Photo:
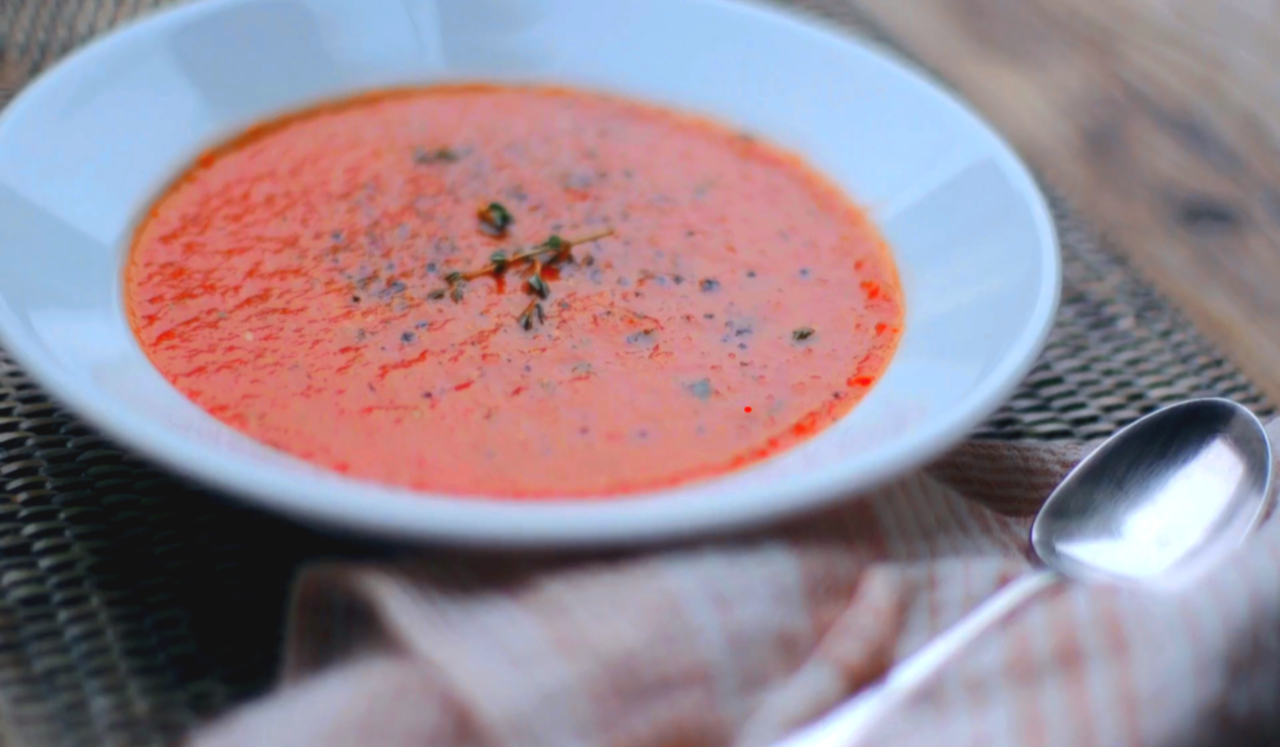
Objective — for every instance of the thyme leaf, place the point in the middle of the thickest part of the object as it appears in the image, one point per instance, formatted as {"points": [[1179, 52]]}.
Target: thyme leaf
{"points": [[539, 286], [495, 219]]}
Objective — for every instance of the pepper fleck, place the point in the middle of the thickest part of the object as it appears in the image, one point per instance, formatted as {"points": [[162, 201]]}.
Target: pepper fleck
{"points": [[422, 156], [700, 388]]}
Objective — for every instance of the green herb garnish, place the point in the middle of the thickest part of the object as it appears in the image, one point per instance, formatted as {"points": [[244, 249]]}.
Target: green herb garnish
{"points": [[556, 244], [555, 249], [799, 334], [539, 286], [532, 313], [495, 219]]}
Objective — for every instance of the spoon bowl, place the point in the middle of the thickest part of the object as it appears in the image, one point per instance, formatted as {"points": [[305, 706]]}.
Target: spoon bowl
{"points": [[1161, 498]]}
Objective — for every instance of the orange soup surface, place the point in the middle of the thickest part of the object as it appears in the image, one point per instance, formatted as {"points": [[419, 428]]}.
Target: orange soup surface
{"points": [[513, 292]]}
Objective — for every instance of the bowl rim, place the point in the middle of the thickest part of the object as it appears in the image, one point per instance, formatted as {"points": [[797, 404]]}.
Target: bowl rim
{"points": [[396, 513]]}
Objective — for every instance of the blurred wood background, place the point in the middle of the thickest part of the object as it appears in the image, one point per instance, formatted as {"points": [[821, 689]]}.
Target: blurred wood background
{"points": [[1160, 119]]}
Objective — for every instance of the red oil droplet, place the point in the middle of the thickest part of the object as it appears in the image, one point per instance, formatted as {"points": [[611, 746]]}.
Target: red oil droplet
{"points": [[746, 409]]}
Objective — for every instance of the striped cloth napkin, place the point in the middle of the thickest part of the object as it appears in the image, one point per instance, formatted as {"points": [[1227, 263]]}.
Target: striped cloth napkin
{"points": [[739, 641]]}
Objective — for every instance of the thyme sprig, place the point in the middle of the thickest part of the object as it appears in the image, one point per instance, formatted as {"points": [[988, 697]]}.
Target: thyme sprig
{"points": [[555, 250]]}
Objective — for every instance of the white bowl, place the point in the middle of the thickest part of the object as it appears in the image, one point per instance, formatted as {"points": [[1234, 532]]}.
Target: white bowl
{"points": [[85, 149]]}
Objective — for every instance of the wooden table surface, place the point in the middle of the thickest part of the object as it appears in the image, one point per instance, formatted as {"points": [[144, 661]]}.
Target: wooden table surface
{"points": [[1159, 119]]}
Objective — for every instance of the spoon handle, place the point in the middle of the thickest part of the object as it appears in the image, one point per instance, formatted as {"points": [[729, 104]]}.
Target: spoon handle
{"points": [[850, 721]]}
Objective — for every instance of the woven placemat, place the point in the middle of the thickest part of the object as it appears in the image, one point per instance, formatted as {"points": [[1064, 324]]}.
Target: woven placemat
{"points": [[133, 605]]}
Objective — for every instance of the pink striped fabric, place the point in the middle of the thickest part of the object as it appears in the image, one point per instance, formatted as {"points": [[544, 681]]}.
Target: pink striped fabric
{"points": [[739, 641]]}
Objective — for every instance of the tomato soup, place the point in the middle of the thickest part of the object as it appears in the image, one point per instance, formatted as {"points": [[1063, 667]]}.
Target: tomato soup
{"points": [[518, 292]]}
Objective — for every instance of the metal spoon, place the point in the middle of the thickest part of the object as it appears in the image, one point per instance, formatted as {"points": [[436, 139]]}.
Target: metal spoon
{"points": [[1156, 504]]}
